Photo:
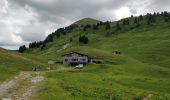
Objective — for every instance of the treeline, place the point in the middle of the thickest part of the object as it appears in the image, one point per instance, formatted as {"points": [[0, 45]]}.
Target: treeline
{"points": [[59, 32], [149, 18], [131, 22], [50, 37], [96, 26]]}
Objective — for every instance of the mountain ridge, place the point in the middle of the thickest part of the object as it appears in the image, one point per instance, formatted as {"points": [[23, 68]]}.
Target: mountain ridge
{"points": [[87, 20]]}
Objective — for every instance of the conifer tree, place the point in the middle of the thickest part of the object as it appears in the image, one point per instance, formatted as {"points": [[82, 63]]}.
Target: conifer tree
{"points": [[22, 49]]}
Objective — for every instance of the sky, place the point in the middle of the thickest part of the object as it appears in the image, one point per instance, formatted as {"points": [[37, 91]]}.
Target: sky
{"points": [[25, 21]]}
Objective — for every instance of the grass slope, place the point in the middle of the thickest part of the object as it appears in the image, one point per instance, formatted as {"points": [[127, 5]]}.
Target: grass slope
{"points": [[86, 21], [141, 71], [11, 63]]}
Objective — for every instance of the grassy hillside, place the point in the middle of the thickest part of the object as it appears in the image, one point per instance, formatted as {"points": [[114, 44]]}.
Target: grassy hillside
{"points": [[147, 43], [11, 63], [86, 21], [142, 70]]}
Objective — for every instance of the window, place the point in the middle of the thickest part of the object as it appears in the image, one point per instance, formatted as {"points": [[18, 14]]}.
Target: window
{"points": [[66, 59], [75, 59], [83, 59]]}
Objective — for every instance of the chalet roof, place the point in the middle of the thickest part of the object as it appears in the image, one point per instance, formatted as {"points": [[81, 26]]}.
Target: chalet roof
{"points": [[75, 53]]}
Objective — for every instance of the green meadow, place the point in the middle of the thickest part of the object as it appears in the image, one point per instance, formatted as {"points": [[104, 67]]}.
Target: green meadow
{"points": [[11, 63], [140, 72]]}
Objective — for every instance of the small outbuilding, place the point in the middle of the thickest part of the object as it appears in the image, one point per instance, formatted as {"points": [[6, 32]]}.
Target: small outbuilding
{"points": [[51, 62], [75, 58], [116, 52]]}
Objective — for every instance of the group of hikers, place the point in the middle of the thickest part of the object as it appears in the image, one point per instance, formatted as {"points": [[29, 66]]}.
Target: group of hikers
{"points": [[35, 68]]}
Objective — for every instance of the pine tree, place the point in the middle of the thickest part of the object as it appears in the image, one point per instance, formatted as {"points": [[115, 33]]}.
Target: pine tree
{"points": [[83, 39], [95, 27], [108, 25], [71, 40], [135, 20], [126, 22], [150, 18], [140, 17], [58, 35], [118, 26], [43, 46], [22, 49]]}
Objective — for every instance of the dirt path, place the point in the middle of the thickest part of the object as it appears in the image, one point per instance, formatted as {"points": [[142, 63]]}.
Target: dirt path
{"points": [[22, 87]]}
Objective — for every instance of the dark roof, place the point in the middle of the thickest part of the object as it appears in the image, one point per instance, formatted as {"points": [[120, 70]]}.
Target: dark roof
{"points": [[75, 53]]}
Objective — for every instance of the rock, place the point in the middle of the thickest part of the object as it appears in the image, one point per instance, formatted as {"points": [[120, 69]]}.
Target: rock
{"points": [[6, 99], [37, 79]]}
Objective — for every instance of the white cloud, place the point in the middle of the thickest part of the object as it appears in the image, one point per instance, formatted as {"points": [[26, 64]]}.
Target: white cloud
{"points": [[3, 6], [123, 12], [20, 26]]}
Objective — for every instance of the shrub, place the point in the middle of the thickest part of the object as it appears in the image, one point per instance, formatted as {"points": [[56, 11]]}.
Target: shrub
{"points": [[83, 39], [71, 40]]}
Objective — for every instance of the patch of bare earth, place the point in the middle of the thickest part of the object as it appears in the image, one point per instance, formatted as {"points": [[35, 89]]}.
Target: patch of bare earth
{"points": [[22, 87]]}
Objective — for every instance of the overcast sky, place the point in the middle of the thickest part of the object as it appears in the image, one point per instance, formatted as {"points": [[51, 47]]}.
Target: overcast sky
{"points": [[24, 21]]}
